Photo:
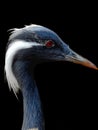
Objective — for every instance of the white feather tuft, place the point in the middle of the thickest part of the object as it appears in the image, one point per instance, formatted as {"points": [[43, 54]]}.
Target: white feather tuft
{"points": [[12, 50]]}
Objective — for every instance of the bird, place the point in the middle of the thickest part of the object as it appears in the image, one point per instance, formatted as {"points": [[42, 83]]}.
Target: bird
{"points": [[27, 47]]}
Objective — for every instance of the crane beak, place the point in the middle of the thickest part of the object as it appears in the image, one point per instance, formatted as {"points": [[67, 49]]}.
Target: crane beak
{"points": [[76, 58]]}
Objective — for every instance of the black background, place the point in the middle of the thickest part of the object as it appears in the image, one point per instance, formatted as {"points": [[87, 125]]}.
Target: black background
{"points": [[68, 91]]}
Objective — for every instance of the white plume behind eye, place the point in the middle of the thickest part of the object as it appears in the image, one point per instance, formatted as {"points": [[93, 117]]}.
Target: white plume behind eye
{"points": [[11, 51], [13, 48]]}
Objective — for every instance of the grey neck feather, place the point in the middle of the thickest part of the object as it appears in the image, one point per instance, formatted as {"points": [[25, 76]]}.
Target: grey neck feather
{"points": [[32, 113]]}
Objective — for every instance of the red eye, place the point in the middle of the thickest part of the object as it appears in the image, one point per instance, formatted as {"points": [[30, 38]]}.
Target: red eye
{"points": [[49, 44]]}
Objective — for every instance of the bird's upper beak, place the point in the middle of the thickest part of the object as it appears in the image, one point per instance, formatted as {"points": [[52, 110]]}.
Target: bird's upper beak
{"points": [[76, 58]]}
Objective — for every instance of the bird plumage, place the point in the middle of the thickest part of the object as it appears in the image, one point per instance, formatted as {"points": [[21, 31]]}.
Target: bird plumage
{"points": [[27, 47], [21, 39]]}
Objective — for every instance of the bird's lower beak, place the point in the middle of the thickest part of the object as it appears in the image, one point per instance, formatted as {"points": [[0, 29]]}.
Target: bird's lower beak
{"points": [[76, 58]]}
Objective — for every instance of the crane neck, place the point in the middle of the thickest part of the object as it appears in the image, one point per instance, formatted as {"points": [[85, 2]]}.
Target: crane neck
{"points": [[32, 110]]}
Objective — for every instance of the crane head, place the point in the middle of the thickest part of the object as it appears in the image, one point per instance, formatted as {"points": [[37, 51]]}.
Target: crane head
{"points": [[43, 44], [34, 44]]}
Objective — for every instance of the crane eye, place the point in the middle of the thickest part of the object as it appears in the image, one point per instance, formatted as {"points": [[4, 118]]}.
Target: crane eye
{"points": [[49, 44]]}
